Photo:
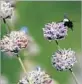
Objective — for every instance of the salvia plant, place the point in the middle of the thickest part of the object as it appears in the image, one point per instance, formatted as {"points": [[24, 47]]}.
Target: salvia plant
{"points": [[14, 41]]}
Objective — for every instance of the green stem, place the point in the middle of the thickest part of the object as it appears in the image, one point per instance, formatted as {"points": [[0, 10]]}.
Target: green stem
{"points": [[23, 67], [9, 27], [74, 76], [21, 63], [57, 44]]}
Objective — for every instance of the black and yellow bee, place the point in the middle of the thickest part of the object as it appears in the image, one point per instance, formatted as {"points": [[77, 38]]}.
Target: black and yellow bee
{"points": [[68, 22]]}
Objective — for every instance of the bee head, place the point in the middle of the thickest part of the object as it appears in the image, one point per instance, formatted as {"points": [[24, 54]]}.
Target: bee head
{"points": [[69, 24]]}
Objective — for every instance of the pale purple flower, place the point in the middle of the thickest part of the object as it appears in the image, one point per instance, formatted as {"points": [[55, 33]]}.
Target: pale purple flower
{"points": [[36, 76], [20, 38], [63, 59], [14, 42], [6, 9], [55, 31]]}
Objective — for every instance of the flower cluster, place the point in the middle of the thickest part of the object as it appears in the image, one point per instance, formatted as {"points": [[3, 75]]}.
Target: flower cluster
{"points": [[14, 42], [36, 76], [63, 59], [55, 31], [6, 9]]}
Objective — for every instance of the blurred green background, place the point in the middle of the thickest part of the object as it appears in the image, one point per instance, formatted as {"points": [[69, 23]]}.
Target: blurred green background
{"points": [[34, 15]]}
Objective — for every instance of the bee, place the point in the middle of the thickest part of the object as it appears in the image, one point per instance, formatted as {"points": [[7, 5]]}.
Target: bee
{"points": [[68, 22]]}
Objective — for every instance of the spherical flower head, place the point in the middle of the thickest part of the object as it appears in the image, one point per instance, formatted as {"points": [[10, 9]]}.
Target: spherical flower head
{"points": [[14, 42], [20, 38], [7, 45], [55, 31], [63, 59], [37, 76], [6, 9]]}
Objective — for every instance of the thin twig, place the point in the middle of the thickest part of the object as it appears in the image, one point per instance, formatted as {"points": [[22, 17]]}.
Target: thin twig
{"points": [[74, 76]]}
